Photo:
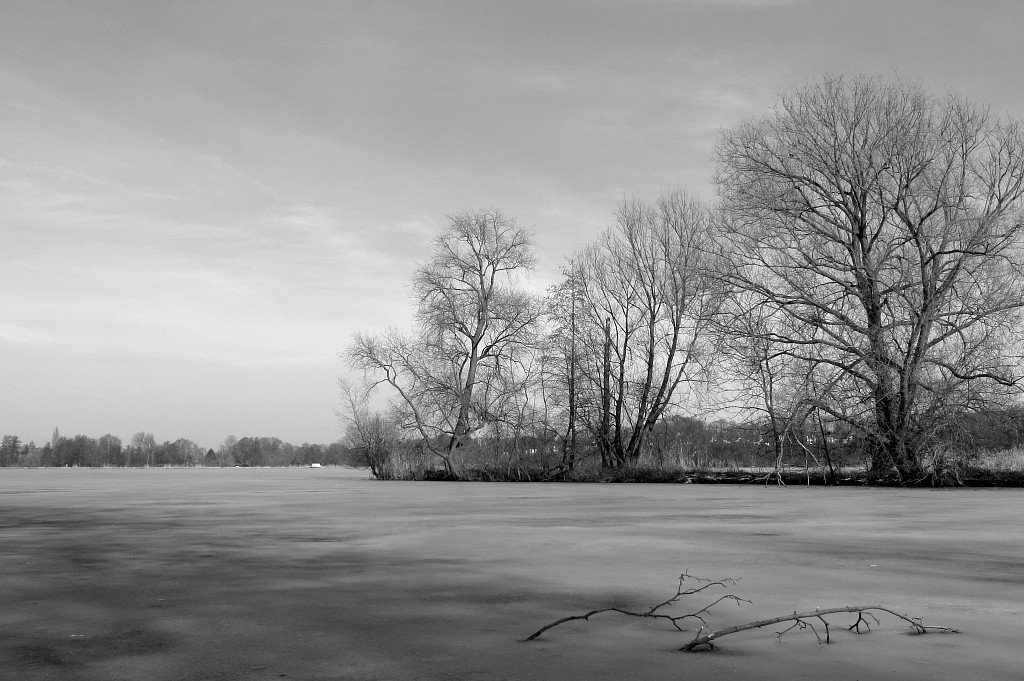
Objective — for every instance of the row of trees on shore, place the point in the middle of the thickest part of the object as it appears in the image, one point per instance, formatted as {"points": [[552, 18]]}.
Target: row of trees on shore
{"points": [[143, 450], [858, 282]]}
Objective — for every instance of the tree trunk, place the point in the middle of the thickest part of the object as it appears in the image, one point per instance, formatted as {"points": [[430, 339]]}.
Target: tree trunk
{"points": [[605, 439]]}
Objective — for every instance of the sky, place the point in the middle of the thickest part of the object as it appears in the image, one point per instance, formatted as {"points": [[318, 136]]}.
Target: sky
{"points": [[202, 202]]}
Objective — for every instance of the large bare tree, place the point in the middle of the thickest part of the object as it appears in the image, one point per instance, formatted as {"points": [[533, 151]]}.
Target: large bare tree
{"points": [[883, 225], [645, 299], [473, 326]]}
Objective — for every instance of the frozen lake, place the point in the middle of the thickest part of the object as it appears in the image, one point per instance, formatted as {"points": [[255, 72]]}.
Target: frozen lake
{"points": [[323, 574]]}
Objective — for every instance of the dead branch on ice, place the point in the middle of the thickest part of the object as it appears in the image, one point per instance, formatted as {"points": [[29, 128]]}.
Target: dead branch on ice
{"points": [[706, 637], [805, 620], [652, 612]]}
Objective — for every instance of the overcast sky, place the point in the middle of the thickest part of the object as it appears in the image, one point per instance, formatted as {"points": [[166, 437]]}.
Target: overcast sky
{"points": [[201, 202]]}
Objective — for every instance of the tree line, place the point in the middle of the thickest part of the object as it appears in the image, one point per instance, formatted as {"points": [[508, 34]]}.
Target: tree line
{"points": [[855, 293], [142, 450]]}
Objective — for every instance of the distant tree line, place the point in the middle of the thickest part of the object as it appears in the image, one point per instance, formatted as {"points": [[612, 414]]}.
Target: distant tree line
{"points": [[142, 450], [855, 296]]}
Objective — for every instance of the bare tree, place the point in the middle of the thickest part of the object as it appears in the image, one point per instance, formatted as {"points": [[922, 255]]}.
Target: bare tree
{"points": [[226, 452], [144, 445], [647, 299], [759, 365], [561, 352], [883, 224], [472, 327], [371, 434], [780, 393]]}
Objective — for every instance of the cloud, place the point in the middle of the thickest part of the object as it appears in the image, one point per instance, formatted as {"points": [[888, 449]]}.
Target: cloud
{"points": [[239, 187], [24, 335]]}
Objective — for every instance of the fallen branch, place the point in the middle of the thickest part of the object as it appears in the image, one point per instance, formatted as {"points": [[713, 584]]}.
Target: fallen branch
{"points": [[706, 637], [652, 612], [802, 620]]}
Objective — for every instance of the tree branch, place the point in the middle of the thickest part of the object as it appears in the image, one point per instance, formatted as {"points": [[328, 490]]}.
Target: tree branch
{"points": [[800, 620], [652, 612], [706, 637]]}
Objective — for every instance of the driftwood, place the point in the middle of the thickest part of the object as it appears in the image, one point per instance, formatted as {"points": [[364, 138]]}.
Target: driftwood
{"points": [[706, 637]]}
